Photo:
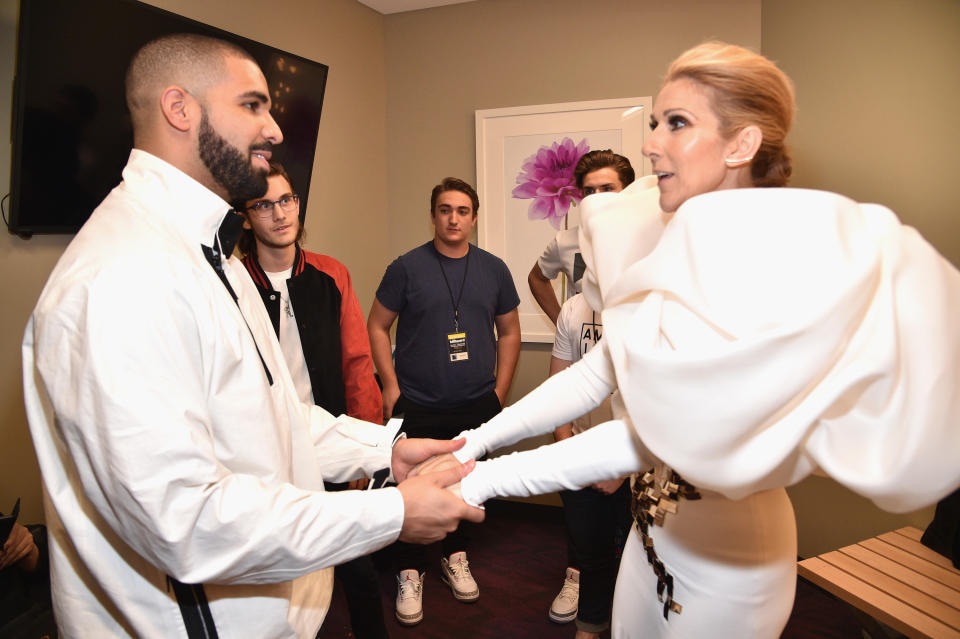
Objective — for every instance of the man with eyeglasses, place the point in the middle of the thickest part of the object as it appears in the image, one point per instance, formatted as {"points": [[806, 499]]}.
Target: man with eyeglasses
{"points": [[311, 303], [323, 335], [601, 171]]}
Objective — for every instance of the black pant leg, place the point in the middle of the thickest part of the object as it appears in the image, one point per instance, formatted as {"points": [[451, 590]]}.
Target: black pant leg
{"points": [[470, 416], [362, 589], [594, 521], [418, 421], [440, 423]]}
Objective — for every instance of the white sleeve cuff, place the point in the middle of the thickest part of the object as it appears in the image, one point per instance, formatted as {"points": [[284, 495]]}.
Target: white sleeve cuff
{"points": [[606, 451]]}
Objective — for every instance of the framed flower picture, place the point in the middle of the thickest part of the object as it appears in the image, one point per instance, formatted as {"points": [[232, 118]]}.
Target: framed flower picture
{"points": [[525, 161]]}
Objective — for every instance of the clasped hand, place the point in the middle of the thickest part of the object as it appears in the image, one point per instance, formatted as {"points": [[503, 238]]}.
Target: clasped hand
{"points": [[441, 462], [428, 476]]}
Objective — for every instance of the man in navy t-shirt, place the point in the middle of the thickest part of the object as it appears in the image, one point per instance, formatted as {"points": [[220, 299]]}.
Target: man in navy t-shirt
{"points": [[451, 370]]}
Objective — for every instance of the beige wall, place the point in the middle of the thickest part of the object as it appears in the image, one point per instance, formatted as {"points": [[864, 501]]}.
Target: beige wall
{"points": [[403, 88], [25, 265], [347, 202], [877, 81], [445, 63]]}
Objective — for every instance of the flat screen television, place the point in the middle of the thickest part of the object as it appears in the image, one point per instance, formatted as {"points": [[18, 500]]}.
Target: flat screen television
{"points": [[71, 128]]}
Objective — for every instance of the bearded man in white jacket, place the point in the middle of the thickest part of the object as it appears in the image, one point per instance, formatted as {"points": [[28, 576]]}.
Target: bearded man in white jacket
{"points": [[183, 477]]}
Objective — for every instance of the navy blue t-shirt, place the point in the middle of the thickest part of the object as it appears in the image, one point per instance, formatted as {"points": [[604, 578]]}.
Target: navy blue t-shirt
{"points": [[413, 286]]}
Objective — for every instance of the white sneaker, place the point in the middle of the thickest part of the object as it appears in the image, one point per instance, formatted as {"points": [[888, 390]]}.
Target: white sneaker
{"points": [[455, 572], [564, 606], [409, 597]]}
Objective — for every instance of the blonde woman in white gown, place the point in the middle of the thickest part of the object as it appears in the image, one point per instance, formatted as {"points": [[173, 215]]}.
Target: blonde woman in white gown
{"points": [[754, 335]]}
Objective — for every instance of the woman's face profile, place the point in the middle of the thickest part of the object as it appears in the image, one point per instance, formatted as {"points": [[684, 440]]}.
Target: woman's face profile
{"points": [[685, 144]]}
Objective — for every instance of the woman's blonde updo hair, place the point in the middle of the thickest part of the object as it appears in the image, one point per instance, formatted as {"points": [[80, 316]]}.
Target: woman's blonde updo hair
{"points": [[747, 88]]}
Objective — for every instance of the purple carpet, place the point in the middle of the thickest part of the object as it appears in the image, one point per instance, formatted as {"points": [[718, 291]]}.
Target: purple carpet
{"points": [[518, 557]]}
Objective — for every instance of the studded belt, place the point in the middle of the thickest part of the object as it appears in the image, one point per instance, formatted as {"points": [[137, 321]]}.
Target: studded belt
{"points": [[655, 494]]}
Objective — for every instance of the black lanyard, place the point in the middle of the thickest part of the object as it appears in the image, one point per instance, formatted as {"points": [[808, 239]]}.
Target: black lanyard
{"points": [[463, 285]]}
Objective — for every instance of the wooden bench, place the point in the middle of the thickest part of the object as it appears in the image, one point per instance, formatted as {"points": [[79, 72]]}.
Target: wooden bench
{"points": [[895, 579]]}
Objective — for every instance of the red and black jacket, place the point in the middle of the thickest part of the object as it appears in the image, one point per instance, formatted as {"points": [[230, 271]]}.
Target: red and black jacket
{"points": [[332, 329]]}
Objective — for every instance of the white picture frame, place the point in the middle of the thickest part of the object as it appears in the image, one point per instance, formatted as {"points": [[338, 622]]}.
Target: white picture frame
{"points": [[508, 136]]}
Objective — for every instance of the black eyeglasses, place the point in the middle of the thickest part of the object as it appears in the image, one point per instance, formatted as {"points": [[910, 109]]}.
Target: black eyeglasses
{"points": [[264, 208]]}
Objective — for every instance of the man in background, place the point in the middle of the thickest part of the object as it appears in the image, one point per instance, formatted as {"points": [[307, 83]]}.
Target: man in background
{"points": [[452, 372], [601, 171], [323, 335], [596, 172]]}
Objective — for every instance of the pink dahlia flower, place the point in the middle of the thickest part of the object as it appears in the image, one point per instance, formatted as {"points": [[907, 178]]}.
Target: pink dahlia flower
{"points": [[547, 178]]}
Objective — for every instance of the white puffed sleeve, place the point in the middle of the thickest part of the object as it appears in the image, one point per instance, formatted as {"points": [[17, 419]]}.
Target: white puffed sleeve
{"points": [[771, 332]]}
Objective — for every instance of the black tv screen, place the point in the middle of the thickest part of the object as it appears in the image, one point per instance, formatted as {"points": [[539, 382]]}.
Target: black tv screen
{"points": [[71, 128]]}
